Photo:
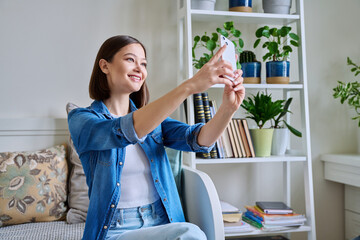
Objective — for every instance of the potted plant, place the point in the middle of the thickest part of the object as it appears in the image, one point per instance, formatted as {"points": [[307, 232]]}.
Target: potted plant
{"points": [[211, 43], [350, 91], [251, 67], [277, 6], [278, 69], [281, 132], [240, 5], [203, 4], [261, 109]]}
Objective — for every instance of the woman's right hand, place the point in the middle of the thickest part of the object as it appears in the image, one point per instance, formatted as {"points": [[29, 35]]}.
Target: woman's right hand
{"points": [[212, 73]]}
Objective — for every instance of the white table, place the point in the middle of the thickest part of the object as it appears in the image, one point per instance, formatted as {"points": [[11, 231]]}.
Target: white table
{"points": [[345, 169]]}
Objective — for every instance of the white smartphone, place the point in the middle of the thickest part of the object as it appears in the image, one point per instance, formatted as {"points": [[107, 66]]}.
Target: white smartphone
{"points": [[229, 54]]}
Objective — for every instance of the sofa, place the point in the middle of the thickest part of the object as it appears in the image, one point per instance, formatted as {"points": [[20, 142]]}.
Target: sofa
{"points": [[43, 193]]}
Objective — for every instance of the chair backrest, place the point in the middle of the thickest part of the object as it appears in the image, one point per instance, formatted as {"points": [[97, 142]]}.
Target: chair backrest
{"points": [[175, 159]]}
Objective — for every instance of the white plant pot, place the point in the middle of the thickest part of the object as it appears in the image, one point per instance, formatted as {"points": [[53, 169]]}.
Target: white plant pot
{"points": [[279, 141], [203, 4]]}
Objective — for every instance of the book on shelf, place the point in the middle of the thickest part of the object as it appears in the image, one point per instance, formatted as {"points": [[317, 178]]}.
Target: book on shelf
{"points": [[272, 217], [273, 222], [237, 227], [243, 138], [200, 117], [252, 222], [236, 140], [232, 140], [220, 147], [274, 207], [208, 117], [225, 137], [248, 136], [240, 139], [230, 213], [237, 131]]}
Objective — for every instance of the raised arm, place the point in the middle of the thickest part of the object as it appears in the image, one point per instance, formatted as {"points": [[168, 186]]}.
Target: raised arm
{"points": [[232, 99], [149, 117]]}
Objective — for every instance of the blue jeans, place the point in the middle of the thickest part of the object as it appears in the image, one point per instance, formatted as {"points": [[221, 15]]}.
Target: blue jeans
{"points": [[150, 222]]}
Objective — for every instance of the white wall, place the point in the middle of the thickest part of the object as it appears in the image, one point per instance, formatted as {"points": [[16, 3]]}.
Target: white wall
{"points": [[47, 50], [331, 37]]}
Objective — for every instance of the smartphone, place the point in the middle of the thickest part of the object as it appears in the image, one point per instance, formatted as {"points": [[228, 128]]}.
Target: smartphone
{"points": [[229, 54]]}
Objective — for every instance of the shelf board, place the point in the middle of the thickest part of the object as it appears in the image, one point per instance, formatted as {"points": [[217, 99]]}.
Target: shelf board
{"points": [[285, 158], [259, 232], [256, 18], [267, 86]]}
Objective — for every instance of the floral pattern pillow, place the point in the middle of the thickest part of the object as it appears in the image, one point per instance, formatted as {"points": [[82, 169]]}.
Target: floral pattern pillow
{"points": [[33, 186]]}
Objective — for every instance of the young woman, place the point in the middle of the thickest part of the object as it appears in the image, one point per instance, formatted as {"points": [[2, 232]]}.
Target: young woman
{"points": [[120, 140]]}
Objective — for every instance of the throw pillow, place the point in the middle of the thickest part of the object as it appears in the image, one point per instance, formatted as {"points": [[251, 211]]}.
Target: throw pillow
{"points": [[78, 198], [33, 186]]}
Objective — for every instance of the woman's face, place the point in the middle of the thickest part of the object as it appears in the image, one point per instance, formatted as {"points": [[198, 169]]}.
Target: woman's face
{"points": [[127, 72]]}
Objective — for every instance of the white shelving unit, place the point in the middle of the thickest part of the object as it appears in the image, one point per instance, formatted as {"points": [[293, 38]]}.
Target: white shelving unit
{"points": [[186, 18]]}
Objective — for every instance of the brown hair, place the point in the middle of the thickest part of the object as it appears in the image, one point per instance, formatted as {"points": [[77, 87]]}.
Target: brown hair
{"points": [[98, 86]]}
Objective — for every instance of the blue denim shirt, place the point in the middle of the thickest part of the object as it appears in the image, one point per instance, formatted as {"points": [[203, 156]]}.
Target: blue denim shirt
{"points": [[100, 141]]}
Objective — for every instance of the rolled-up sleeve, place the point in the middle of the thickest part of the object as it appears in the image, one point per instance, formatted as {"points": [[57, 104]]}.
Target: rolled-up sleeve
{"points": [[128, 130], [192, 139], [183, 137]]}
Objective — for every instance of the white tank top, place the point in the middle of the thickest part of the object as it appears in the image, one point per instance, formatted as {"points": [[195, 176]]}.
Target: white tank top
{"points": [[137, 186]]}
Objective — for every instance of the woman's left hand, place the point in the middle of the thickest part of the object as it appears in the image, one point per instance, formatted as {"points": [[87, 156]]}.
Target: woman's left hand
{"points": [[234, 95]]}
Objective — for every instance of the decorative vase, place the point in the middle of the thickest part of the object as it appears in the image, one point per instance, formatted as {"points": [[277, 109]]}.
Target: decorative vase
{"points": [[203, 4], [240, 5], [262, 139], [278, 72], [279, 141], [251, 72], [277, 6]]}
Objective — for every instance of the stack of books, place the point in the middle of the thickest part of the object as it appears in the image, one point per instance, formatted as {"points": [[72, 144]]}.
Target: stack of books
{"points": [[232, 219], [273, 216], [235, 142]]}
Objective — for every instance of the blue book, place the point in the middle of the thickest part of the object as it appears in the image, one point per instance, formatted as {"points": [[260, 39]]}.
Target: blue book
{"points": [[252, 217]]}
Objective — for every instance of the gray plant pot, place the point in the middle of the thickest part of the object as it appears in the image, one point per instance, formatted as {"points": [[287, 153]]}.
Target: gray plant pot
{"points": [[203, 4], [277, 6]]}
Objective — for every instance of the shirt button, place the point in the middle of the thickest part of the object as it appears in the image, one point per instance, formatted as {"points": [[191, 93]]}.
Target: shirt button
{"points": [[170, 219], [118, 184], [105, 227], [152, 160], [120, 163], [164, 199], [112, 205], [157, 180]]}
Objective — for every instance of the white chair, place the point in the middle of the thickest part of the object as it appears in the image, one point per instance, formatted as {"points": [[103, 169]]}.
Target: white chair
{"points": [[201, 203]]}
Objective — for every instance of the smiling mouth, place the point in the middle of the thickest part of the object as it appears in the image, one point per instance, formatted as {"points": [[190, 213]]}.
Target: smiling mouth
{"points": [[135, 78]]}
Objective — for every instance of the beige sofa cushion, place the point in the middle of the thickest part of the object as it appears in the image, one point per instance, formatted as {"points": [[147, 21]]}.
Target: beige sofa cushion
{"points": [[78, 190]]}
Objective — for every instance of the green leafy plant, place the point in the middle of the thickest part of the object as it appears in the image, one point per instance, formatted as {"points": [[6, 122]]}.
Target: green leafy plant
{"points": [[261, 108], [211, 42], [350, 91], [276, 42], [279, 118]]}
